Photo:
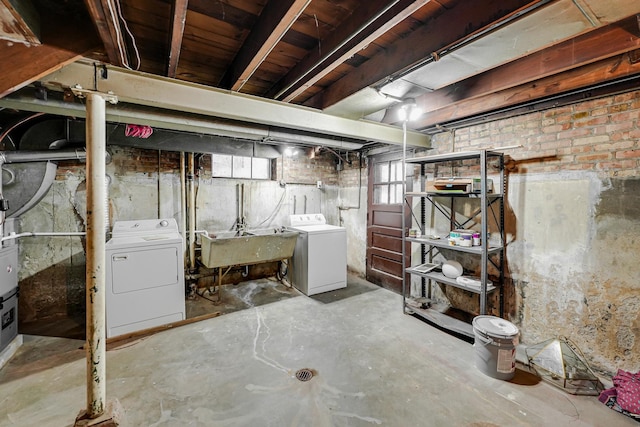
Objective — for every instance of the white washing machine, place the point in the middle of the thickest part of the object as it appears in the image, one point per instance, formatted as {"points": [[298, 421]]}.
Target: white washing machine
{"points": [[144, 276], [319, 261]]}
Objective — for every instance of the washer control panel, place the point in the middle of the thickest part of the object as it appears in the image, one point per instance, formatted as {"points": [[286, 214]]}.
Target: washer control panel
{"points": [[307, 219]]}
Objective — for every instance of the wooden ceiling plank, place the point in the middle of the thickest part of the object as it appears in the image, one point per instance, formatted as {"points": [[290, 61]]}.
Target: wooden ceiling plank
{"points": [[437, 33], [24, 24], [30, 63], [276, 18], [368, 23], [604, 42], [239, 14], [606, 70], [178, 19], [102, 17], [371, 21]]}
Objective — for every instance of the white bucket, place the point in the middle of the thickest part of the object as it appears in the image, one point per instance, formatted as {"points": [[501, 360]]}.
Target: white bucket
{"points": [[495, 346]]}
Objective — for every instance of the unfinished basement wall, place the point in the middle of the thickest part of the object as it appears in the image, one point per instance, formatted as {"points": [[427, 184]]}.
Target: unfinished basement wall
{"points": [[572, 223], [352, 210], [145, 184]]}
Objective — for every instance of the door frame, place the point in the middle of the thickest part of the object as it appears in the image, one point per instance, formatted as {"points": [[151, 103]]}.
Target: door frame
{"points": [[384, 266]]}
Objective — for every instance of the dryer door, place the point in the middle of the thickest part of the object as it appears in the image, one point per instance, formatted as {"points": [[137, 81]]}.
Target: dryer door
{"points": [[143, 268]]}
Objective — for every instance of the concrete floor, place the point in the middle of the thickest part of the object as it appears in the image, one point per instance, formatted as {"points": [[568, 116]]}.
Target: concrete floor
{"points": [[373, 364]]}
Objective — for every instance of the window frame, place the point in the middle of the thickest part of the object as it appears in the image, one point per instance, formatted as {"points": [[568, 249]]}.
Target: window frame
{"points": [[232, 167]]}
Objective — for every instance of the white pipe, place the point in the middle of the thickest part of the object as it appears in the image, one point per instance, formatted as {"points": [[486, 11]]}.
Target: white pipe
{"points": [[13, 236], [39, 156], [192, 213], [95, 270], [183, 205]]}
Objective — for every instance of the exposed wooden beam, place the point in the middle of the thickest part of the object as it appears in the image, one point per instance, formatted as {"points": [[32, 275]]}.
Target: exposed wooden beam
{"points": [[24, 64], [455, 24], [276, 18], [178, 19], [103, 16], [598, 44], [367, 23], [19, 21], [589, 75], [601, 43]]}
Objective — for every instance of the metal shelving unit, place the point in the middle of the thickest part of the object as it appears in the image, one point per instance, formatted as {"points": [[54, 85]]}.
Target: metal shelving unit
{"points": [[490, 251]]}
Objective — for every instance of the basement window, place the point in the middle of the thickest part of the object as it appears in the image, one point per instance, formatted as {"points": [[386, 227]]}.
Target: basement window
{"points": [[387, 185], [228, 166]]}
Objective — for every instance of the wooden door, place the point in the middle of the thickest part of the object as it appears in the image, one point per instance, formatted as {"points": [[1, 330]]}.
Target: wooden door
{"points": [[384, 222]]}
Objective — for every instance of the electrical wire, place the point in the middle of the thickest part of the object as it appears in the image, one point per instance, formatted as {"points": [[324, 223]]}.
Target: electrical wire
{"points": [[276, 209], [116, 26], [119, 36], [133, 39], [4, 134]]}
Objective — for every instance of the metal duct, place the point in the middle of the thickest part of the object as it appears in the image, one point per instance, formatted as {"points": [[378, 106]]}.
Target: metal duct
{"points": [[161, 139], [41, 190]]}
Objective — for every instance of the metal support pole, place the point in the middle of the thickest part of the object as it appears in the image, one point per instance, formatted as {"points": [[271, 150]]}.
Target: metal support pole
{"points": [[192, 212], [95, 272], [484, 234], [183, 206], [404, 201]]}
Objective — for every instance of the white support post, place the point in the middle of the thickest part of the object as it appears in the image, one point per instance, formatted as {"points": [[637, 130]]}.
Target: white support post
{"points": [[95, 272]]}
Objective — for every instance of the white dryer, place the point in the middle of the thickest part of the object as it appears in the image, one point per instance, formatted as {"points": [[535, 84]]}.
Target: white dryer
{"points": [[319, 261], [144, 276]]}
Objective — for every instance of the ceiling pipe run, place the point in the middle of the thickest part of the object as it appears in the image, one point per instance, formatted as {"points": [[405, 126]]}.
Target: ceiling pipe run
{"points": [[39, 156]]}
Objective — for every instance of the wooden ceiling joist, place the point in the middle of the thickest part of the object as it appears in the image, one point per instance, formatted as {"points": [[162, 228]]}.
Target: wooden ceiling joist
{"points": [[105, 19], [178, 19], [26, 64], [602, 43], [366, 24], [607, 70], [274, 21], [20, 21], [442, 31]]}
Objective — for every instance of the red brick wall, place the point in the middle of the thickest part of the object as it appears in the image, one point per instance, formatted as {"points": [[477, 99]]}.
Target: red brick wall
{"points": [[349, 176], [593, 147], [302, 168], [126, 159], [594, 135], [306, 168]]}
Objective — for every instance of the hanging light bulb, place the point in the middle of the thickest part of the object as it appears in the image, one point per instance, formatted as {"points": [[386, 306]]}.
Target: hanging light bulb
{"points": [[409, 110]]}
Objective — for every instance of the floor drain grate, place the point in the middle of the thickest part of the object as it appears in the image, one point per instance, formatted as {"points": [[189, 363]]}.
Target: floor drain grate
{"points": [[304, 374]]}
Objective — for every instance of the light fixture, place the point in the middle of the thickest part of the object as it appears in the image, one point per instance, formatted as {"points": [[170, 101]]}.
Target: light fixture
{"points": [[409, 110], [289, 152]]}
